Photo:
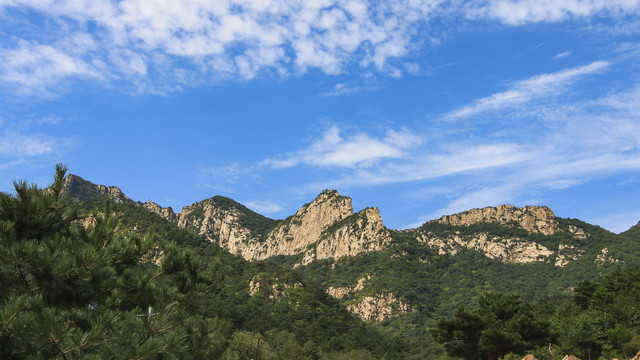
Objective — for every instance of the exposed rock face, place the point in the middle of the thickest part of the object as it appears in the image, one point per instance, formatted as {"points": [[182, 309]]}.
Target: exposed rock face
{"points": [[512, 250], [275, 288], [566, 254], [291, 237], [341, 292], [379, 307], [81, 189], [531, 218], [605, 257], [306, 226], [166, 213], [364, 232], [577, 232], [219, 224]]}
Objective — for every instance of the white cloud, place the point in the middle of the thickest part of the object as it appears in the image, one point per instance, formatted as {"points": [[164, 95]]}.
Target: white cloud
{"points": [[212, 40], [563, 54], [344, 89], [335, 150], [36, 68], [264, 207], [20, 145], [524, 91], [241, 37], [518, 12]]}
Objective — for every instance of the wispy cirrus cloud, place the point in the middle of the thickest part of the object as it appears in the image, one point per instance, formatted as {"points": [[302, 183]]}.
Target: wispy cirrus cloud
{"points": [[521, 92], [563, 55]]}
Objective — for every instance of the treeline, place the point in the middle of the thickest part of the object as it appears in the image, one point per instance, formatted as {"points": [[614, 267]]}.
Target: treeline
{"points": [[600, 321]]}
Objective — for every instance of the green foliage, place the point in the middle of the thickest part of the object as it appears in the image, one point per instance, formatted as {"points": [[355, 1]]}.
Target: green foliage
{"points": [[87, 286], [69, 291], [501, 324]]}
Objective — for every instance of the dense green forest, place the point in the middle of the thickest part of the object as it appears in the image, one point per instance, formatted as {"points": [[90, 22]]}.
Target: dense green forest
{"points": [[91, 279]]}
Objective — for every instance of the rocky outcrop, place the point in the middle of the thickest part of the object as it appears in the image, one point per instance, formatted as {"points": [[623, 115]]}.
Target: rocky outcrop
{"points": [[531, 218], [566, 254], [342, 292], [604, 257], [166, 213], [577, 232], [221, 225], [511, 250], [379, 307], [274, 288], [307, 225], [82, 190], [324, 228], [362, 232]]}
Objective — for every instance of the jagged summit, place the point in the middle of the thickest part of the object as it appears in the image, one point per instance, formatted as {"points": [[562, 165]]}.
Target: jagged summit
{"points": [[83, 190], [328, 228]]}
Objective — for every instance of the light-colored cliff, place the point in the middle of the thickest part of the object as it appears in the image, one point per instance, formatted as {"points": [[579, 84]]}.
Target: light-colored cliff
{"points": [[221, 225], [341, 292], [306, 226], [531, 218], [511, 250], [379, 307], [363, 232], [166, 213], [319, 223]]}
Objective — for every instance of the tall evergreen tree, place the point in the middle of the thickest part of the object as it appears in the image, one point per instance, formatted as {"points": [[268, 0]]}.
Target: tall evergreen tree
{"points": [[76, 288], [501, 324]]}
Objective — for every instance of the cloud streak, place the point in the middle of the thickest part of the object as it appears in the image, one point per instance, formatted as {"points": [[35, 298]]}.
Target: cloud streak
{"points": [[521, 92], [359, 150]]}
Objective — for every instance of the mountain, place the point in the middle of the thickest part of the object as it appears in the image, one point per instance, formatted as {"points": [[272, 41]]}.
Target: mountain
{"points": [[379, 273], [329, 281]]}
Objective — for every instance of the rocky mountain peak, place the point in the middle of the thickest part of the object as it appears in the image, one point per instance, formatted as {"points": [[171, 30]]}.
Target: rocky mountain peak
{"points": [[83, 190], [166, 213], [360, 232], [328, 200], [531, 218]]}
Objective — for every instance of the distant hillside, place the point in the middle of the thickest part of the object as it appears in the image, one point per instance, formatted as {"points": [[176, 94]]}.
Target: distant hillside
{"points": [[380, 273], [327, 265]]}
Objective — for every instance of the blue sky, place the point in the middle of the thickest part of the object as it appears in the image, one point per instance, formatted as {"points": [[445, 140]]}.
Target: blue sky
{"points": [[419, 107]]}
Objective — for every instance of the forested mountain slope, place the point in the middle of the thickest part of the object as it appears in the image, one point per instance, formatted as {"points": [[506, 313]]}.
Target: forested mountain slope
{"points": [[404, 280]]}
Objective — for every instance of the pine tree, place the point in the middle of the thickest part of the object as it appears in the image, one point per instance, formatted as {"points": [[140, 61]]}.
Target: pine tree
{"points": [[501, 324], [78, 289]]}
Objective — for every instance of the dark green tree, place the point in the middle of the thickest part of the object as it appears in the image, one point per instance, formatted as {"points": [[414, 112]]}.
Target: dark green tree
{"points": [[77, 288], [501, 324]]}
